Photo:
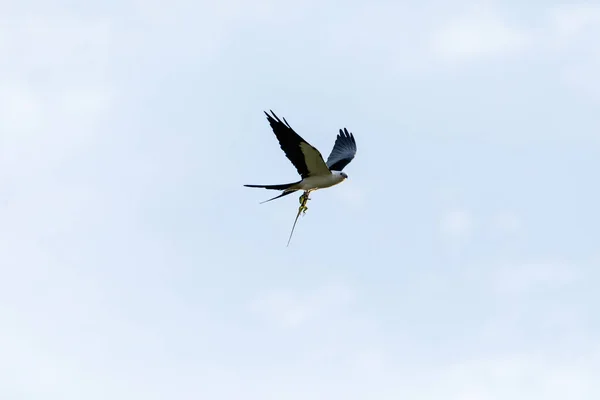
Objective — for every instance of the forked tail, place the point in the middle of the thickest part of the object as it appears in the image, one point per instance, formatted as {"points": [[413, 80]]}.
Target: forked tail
{"points": [[285, 187]]}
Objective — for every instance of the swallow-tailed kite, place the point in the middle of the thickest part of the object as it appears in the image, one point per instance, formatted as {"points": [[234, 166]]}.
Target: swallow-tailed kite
{"points": [[314, 171]]}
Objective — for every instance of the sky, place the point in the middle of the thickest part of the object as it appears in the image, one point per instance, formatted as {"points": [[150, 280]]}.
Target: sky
{"points": [[460, 260]]}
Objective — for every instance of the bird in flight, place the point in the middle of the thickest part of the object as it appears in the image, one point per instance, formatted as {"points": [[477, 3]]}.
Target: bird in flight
{"points": [[315, 172]]}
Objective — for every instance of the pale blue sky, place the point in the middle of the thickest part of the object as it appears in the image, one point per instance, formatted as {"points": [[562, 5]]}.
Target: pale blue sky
{"points": [[460, 261]]}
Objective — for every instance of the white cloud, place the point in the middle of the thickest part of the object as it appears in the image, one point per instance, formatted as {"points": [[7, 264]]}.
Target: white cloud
{"points": [[506, 222], [571, 20], [526, 277], [54, 89], [54, 46], [20, 110], [565, 36], [291, 309], [478, 34], [456, 224], [518, 376], [573, 34]]}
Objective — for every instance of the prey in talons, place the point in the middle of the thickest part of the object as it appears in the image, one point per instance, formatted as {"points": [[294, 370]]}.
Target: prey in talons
{"points": [[301, 210]]}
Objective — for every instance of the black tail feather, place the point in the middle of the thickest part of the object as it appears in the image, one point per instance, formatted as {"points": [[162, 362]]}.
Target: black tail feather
{"points": [[281, 195], [273, 187]]}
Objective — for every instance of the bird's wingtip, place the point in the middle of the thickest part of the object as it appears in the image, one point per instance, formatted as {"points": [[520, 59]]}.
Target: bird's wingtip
{"points": [[272, 116]]}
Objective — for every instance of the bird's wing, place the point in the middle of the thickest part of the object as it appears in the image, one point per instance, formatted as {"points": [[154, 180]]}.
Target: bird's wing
{"points": [[343, 151], [307, 160]]}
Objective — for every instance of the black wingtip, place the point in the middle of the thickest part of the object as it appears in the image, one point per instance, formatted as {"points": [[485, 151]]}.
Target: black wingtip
{"points": [[275, 118]]}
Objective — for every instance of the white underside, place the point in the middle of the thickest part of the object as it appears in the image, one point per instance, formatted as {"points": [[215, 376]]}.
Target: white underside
{"points": [[319, 182]]}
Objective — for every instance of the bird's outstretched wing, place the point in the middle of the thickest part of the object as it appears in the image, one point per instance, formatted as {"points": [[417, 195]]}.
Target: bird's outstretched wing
{"points": [[307, 160], [343, 151]]}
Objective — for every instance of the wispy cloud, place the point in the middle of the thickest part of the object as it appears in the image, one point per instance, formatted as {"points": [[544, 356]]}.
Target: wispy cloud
{"points": [[291, 308], [478, 34], [523, 278], [506, 222], [571, 20], [53, 94], [518, 376], [456, 225], [574, 31]]}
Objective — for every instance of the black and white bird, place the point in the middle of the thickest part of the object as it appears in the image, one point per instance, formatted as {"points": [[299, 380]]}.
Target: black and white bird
{"points": [[314, 171]]}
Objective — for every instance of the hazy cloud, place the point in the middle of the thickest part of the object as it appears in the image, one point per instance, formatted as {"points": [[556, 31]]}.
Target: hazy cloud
{"points": [[478, 34]]}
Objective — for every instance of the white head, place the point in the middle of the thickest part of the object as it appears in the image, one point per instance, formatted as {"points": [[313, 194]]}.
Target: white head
{"points": [[342, 174]]}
